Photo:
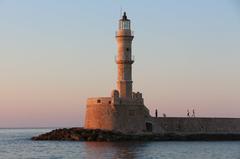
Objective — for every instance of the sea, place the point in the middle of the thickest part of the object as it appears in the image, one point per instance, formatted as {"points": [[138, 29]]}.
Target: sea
{"points": [[17, 144]]}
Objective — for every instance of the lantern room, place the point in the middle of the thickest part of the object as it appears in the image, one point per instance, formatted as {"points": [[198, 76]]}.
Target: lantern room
{"points": [[124, 23]]}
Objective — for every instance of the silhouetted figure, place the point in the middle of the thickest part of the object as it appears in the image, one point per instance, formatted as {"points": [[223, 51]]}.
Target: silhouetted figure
{"points": [[156, 113], [188, 113], [164, 115], [193, 113]]}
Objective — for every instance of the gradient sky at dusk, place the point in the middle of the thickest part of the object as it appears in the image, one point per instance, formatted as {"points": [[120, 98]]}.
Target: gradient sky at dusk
{"points": [[54, 54]]}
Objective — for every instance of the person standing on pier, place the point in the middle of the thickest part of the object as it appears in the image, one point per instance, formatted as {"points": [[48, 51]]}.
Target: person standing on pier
{"points": [[156, 113], [193, 113], [188, 113]]}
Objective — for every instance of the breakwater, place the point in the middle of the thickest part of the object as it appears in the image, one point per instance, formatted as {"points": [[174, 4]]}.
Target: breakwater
{"points": [[81, 134]]}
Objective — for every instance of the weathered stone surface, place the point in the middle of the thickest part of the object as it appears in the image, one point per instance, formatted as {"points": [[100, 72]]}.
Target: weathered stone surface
{"points": [[81, 134]]}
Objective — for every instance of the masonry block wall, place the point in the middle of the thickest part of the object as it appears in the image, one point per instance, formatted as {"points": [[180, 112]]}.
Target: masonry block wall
{"points": [[100, 113], [196, 125]]}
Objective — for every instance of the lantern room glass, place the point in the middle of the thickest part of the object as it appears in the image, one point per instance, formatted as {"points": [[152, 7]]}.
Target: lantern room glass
{"points": [[124, 25]]}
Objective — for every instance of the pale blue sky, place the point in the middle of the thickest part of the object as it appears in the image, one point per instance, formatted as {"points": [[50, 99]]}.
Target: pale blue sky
{"points": [[54, 54]]}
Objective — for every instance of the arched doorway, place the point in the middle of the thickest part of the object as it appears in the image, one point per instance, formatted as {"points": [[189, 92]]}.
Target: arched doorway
{"points": [[149, 127]]}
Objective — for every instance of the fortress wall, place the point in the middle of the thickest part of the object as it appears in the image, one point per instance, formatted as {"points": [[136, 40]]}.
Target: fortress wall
{"points": [[103, 113], [99, 100], [131, 118], [99, 114], [197, 125]]}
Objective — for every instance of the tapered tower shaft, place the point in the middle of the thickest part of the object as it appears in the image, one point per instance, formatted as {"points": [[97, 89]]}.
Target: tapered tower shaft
{"points": [[124, 58]]}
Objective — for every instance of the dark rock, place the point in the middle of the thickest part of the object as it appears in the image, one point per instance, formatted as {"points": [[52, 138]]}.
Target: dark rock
{"points": [[81, 134]]}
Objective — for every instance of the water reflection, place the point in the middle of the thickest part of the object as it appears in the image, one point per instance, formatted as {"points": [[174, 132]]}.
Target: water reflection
{"points": [[16, 144], [114, 150]]}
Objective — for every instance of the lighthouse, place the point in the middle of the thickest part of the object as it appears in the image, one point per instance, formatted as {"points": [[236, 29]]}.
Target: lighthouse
{"points": [[124, 58], [124, 110]]}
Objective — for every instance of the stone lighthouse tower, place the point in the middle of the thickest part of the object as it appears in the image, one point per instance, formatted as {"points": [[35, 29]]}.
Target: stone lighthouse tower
{"points": [[124, 110], [124, 58]]}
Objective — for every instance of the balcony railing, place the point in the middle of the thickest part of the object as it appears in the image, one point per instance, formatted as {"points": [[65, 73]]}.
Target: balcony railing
{"points": [[124, 59]]}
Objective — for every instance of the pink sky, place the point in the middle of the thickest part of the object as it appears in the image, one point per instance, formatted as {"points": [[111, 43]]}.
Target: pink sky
{"points": [[53, 56]]}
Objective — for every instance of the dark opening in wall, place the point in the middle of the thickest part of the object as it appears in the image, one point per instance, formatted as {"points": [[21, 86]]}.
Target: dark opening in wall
{"points": [[98, 101], [131, 112], [149, 127], [109, 102]]}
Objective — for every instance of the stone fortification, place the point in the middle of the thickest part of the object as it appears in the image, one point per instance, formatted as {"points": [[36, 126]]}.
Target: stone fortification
{"points": [[197, 125], [125, 111], [114, 113], [100, 113]]}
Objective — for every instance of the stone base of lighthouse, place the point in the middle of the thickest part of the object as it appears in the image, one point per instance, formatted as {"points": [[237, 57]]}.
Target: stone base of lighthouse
{"points": [[132, 117], [116, 114]]}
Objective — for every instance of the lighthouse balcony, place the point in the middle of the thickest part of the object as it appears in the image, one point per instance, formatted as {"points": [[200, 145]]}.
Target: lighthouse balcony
{"points": [[125, 60]]}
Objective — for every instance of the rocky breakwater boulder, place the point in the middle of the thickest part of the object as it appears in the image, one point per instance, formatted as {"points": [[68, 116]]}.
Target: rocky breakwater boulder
{"points": [[81, 134]]}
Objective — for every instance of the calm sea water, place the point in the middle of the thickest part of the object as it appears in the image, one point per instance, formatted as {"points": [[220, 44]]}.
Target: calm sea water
{"points": [[16, 144]]}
